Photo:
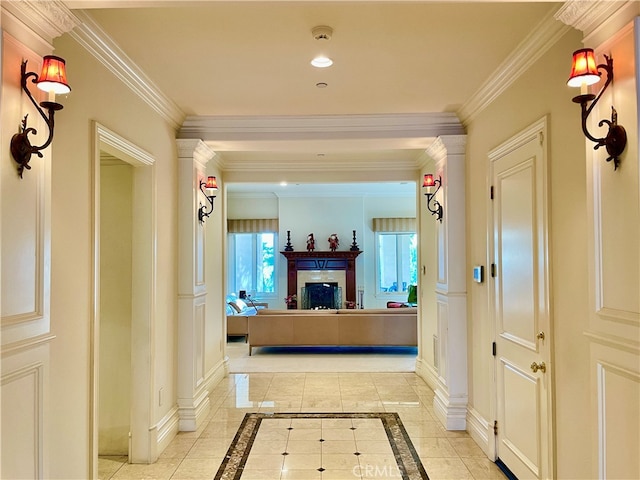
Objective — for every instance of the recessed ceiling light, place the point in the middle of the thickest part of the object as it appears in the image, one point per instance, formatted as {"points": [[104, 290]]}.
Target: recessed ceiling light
{"points": [[321, 62], [321, 85]]}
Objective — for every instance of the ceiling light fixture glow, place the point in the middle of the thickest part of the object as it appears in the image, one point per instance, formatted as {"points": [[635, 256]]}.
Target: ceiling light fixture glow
{"points": [[321, 62]]}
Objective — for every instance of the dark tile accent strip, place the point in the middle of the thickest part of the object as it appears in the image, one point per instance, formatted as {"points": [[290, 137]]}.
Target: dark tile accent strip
{"points": [[409, 464]]}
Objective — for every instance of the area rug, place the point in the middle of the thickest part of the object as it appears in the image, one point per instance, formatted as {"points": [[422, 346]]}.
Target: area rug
{"points": [[409, 466], [320, 359]]}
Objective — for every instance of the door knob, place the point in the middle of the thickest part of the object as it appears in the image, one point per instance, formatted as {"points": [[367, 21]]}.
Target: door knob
{"points": [[538, 366], [540, 335]]}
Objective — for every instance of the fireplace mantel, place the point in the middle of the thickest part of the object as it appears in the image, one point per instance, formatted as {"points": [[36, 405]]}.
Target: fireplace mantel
{"points": [[314, 260]]}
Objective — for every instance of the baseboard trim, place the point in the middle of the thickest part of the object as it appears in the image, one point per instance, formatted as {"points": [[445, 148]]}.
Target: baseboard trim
{"points": [[452, 414], [481, 431], [166, 429], [428, 373]]}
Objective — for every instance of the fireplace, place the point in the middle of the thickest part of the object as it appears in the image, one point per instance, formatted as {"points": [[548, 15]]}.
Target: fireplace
{"points": [[321, 296], [327, 264]]}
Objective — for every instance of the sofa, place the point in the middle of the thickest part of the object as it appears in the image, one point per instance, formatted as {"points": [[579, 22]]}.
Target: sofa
{"points": [[343, 327], [238, 313]]}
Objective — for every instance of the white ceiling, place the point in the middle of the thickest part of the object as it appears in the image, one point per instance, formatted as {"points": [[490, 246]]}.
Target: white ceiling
{"points": [[246, 64]]}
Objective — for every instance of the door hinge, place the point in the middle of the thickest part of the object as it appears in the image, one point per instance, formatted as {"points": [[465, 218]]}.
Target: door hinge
{"points": [[493, 348], [493, 270], [495, 427], [491, 192]]}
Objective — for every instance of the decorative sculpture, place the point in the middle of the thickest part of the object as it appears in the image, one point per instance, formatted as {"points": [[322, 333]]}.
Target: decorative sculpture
{"points": [[288, 247], [333, 242], [311, 243], [354, 245]]}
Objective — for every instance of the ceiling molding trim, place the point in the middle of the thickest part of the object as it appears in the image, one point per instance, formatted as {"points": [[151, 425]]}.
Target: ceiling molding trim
{"points": [[221, 128], [99, 44], [587, 15], [47, 19], [320, 169], [197, 150], [529, 51]]}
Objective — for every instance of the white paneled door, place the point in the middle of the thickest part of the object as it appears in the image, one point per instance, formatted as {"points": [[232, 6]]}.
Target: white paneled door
{"points": [[521, 305]]}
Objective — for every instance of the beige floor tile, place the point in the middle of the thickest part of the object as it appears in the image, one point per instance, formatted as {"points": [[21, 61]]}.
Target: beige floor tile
{"points": [[209, 448], [339, 461], [302, 461], [199, 469], [364, 433], [306, 423], [315, 404], [163, 469], [178, 447], [434, 447], [447, 469], [466, 447], [373, 446], [483, 469], [305, 446], [108, 465], [348, 474], [339, 446], [199, 454], [264, 462], [311, 474], [338, 434], [273, 474]]}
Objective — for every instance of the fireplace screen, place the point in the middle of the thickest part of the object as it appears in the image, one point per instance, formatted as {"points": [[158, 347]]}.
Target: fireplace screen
{"points": [[321, 296]]}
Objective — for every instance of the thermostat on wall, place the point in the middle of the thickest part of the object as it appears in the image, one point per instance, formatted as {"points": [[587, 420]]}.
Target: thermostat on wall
{"points": [[478, 273]]}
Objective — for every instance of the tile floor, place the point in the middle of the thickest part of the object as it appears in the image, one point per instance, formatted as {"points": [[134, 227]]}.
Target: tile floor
{"points": [[198, 455]]}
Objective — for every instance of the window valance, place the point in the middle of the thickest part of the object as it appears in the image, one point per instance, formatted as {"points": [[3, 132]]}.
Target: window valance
{"points": [[394, 225], [252, 225]]}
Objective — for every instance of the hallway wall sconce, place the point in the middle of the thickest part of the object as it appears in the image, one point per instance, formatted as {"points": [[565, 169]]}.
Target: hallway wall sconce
{"points": [[52, 79], [584, 72], [432, 204], [210, 185]]}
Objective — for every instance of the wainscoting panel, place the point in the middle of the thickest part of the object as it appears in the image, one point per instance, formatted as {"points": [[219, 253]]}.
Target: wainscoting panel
{"points": [[25, 215], [617, 376], [22, 423]]}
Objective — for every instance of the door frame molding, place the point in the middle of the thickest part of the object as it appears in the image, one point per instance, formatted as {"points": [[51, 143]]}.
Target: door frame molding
{"points": [[144, 233], [538, 129]]}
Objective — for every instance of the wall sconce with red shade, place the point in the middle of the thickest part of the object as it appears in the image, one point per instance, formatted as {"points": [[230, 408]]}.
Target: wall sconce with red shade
{"points": [[584, 72], [210, 185], [428, 183], [52, 79]]}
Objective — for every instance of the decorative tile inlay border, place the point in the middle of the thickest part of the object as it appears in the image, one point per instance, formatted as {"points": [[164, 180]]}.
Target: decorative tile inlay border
{"points": [[409, 464]]}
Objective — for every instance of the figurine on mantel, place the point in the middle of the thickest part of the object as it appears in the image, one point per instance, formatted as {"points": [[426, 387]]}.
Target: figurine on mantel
{"points": [[333, 242], [311, 243]]}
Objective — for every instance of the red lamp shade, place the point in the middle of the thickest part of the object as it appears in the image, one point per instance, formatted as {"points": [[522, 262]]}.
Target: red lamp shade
{"points": [[211, 183], [54, 75], [583, 69], [428, 180]]}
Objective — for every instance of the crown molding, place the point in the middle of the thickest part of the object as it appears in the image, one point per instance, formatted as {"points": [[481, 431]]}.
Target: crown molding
{"points": [[529, 51], [48, 19], [326, 127], [99, 44], [587, 15]]}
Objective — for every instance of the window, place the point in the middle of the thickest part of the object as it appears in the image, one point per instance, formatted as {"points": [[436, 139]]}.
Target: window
{"points": [[397, 261], [252, 263]]}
